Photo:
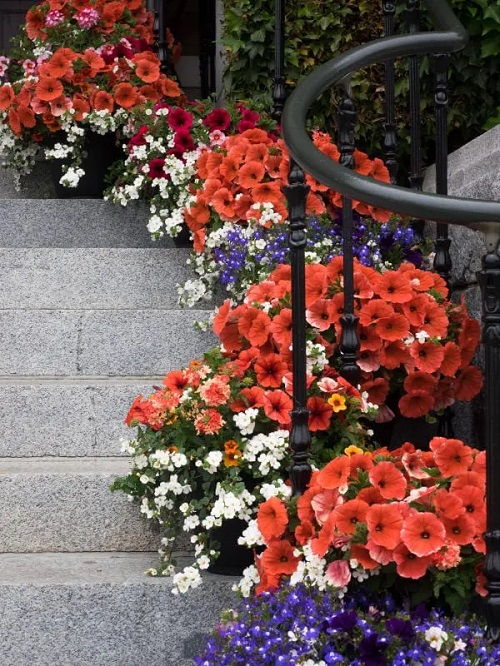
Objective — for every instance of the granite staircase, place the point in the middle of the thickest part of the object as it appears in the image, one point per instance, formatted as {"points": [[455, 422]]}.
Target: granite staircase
{"points": [[88, 319]]}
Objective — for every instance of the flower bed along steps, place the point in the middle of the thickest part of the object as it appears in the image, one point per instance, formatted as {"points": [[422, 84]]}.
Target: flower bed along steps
{"points": [[88, 319]]}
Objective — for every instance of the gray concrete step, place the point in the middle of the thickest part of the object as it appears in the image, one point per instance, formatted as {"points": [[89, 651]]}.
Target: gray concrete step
{"points": [[91, 278], [38, 185], [74, 223], [64, 505], [98, 609], [71, 416], [99, 342]]}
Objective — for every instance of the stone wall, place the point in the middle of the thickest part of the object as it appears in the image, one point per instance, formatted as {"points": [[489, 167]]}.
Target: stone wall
{"points": [[473, 173]]}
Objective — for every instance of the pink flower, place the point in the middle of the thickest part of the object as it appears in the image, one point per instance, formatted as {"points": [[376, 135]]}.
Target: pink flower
{"points": [[338, 573], [53, 18], [87, 18]]}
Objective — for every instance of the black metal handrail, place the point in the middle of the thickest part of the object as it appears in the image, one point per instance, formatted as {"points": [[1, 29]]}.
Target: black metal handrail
{"points": [[449, 36]]}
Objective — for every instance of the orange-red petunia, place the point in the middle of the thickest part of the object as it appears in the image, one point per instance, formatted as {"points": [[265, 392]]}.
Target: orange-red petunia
{"points": [[389, 480], [461, 529], [447, 504], [319, 314], [320, 413], [278, 558], [451, 360], [392, 328], [473, 500], [435, 320], [394, 354], [393, 286], [281, 327], [408, 565], [176, 381], [377, 390], [419, 381], [468, 383], [384, 522], [427, 356], [349, 514], [277, 406], [316, 283], [147, 71], [224, 203], [7, 96], [453, 457], [251, 173], [49, 88], [255, 325], [374, 310], [415, 404], [361, 553], [468, 340], [125, 95], [272, 518], [270, 369], [335, 473], [423, 533]]}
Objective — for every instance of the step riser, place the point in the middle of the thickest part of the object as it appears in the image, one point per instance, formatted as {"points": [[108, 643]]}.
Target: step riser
{"points": [[70, 512], [74, 223], [112, 279], [127, 622], [67, 420], [123, 343]]}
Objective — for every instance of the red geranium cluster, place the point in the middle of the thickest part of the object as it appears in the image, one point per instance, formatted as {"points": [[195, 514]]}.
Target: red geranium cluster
{"points": [[243, 180], [407, 512], [415, 343]]}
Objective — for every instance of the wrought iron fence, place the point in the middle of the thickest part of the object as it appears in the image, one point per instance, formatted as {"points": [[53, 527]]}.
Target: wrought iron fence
{"points": [[449, 36]]}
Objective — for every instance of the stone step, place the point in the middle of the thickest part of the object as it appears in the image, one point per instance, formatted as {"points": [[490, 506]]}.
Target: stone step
{"points": [[99, 342], [91, 278], [65, 505], [98, 609], [72, 416], [74, 223]]}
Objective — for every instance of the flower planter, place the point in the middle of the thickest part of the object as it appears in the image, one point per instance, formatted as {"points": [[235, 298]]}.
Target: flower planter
{"points": [[233, 558], [401, 429], [101, 152]]}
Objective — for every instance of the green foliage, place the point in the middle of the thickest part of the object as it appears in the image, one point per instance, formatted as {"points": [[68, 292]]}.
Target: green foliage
{"points": [[317, 31]]}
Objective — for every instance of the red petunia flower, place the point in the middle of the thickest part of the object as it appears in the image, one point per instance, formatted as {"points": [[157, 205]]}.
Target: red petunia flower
{"points": [[320, 413], [272, 518], [389, 480], [423, 533]]}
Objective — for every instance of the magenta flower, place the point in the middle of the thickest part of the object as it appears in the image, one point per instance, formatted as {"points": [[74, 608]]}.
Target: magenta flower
{"points": [[218, 119], [156, 169], [87, 18], [53, 18], [179, 119]]}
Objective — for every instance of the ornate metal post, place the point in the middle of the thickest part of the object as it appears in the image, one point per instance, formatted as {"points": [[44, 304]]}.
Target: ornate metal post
{"points": [[157, 7], [442, 259], [489, 279], [207, 47], [300, 437], [415, 175], [279, 92], [390, 137], [349, 340]]}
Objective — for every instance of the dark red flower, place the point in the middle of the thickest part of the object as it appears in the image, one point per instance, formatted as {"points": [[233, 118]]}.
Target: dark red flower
{"points": [[218, 119]]}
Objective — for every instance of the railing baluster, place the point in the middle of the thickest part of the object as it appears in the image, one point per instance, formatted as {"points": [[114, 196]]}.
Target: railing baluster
{"points": [[415, 176], [300, 437], [158, 9], [279, 92], [442, 259], [390, 137], [349, 340], [489, 279], [207, 47]]}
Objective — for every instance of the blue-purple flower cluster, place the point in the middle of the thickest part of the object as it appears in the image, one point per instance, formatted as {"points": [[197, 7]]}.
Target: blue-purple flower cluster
{"points": [[374, 244], [304, 626]]}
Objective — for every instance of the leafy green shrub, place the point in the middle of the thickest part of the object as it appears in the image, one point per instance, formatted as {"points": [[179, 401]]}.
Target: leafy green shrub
{"points": [[317, 31]]}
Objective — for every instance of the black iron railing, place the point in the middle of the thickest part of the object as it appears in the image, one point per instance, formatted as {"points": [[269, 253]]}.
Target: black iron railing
{"points": [[449, 36]]}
